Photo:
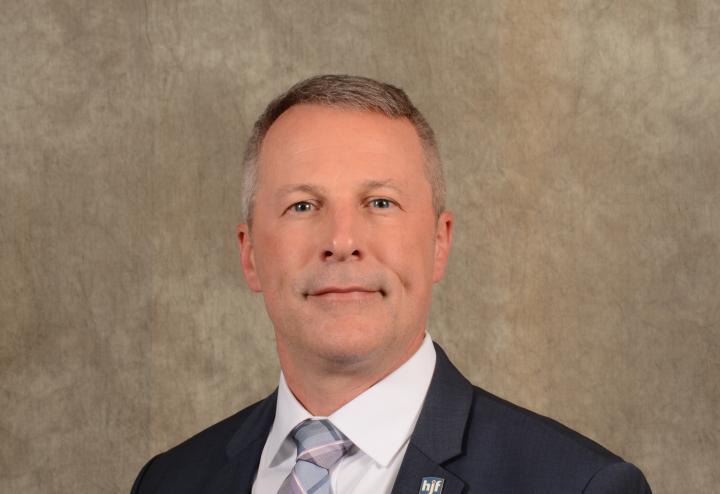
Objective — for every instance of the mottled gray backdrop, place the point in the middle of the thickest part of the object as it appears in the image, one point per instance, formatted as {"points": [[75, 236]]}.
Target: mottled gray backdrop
{"points": [[581, 140]]}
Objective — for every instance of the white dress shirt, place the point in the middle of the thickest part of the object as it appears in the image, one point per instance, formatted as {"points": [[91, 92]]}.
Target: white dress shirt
{"points": [[379, 422]]}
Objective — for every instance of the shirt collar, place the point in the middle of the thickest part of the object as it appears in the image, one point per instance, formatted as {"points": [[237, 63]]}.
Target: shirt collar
{"points": [[379, 421], [288, 413]]}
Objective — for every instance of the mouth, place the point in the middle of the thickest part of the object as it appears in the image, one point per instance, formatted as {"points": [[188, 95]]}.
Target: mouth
{"points": [[344, 293]]}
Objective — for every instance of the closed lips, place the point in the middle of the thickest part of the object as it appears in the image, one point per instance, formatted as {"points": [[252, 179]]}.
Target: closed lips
{"points": [[351, 289]]}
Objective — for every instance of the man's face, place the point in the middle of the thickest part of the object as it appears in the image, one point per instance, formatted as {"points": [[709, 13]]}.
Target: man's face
{"points": [[345, 245]]}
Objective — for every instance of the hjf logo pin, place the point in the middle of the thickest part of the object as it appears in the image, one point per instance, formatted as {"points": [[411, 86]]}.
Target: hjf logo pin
{"points": [[431, 485]]}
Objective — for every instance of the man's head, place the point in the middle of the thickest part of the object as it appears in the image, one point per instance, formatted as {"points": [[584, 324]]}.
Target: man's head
{"points": [[349, 231]]}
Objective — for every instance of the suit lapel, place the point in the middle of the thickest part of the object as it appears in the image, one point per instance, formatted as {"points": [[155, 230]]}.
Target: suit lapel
{"points": [[439, 432], [416, 466], [244, 450]]}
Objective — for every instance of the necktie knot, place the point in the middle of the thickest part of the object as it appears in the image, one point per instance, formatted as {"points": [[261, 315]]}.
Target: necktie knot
{"points": [[319, 446], [320, 443]]}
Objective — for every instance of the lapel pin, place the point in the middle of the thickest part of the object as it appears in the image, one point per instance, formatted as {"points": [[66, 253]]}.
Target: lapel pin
{"points": [[431, 485]]}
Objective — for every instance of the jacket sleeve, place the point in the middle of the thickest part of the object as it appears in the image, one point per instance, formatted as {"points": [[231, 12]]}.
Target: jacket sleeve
{"points": [[618, 478]]}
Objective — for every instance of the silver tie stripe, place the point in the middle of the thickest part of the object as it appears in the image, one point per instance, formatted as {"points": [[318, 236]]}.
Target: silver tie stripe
{"points": [[319, 446]]}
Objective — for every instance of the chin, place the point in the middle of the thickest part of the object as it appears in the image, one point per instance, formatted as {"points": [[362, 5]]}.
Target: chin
{"points": [[351, 341]]}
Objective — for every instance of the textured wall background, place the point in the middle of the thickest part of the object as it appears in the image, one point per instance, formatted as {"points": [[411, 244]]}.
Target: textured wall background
{"points": [[581, 140]]}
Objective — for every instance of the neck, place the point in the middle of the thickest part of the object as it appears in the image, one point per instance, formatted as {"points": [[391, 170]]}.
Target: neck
{"points": [[323, 386]]}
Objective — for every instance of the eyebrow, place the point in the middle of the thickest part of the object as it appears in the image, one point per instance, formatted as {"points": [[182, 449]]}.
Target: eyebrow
{"points": [[308, 188], [379, 184]]}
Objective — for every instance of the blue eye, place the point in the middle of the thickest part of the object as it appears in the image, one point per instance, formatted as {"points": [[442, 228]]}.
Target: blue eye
{"points": [[381, 203], [301, 207]]}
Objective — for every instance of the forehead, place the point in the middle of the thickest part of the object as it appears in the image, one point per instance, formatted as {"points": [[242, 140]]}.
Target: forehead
{"points": [[313, 139]]}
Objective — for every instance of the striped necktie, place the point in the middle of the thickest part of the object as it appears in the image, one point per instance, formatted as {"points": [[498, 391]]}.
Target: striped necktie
{"points": [[319, 446]]}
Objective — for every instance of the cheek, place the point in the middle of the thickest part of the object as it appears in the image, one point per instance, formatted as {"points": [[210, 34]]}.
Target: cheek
{"points": [[409, 253], [279, 258]]}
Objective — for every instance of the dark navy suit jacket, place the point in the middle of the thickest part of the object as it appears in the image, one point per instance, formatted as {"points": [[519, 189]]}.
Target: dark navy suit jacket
{"points": [[475, 441]]}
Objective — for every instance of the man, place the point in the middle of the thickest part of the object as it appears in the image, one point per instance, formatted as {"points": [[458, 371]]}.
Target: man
{"points": [[346, 232]]}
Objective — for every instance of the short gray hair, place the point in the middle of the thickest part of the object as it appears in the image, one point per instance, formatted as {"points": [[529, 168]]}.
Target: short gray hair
{"points": [[344, 91]]}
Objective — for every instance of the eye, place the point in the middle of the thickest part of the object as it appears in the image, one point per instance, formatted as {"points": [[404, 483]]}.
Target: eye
{"points": [[381, 203], [302, 207]]}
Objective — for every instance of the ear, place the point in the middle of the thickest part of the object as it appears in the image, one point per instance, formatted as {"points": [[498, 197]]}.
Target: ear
{"points": [[247, 258], [443, 242]]}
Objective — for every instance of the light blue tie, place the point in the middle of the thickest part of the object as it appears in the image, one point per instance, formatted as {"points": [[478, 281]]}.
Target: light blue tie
{"points": [[319, 446]]}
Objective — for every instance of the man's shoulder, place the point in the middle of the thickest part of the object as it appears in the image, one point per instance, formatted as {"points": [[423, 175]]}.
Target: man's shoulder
{"points": [[524, 448], [216, 437], [512, 421], [195, 460]]}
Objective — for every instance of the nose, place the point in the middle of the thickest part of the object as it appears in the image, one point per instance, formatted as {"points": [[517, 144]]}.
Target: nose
{"points": [[344, 236]]}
